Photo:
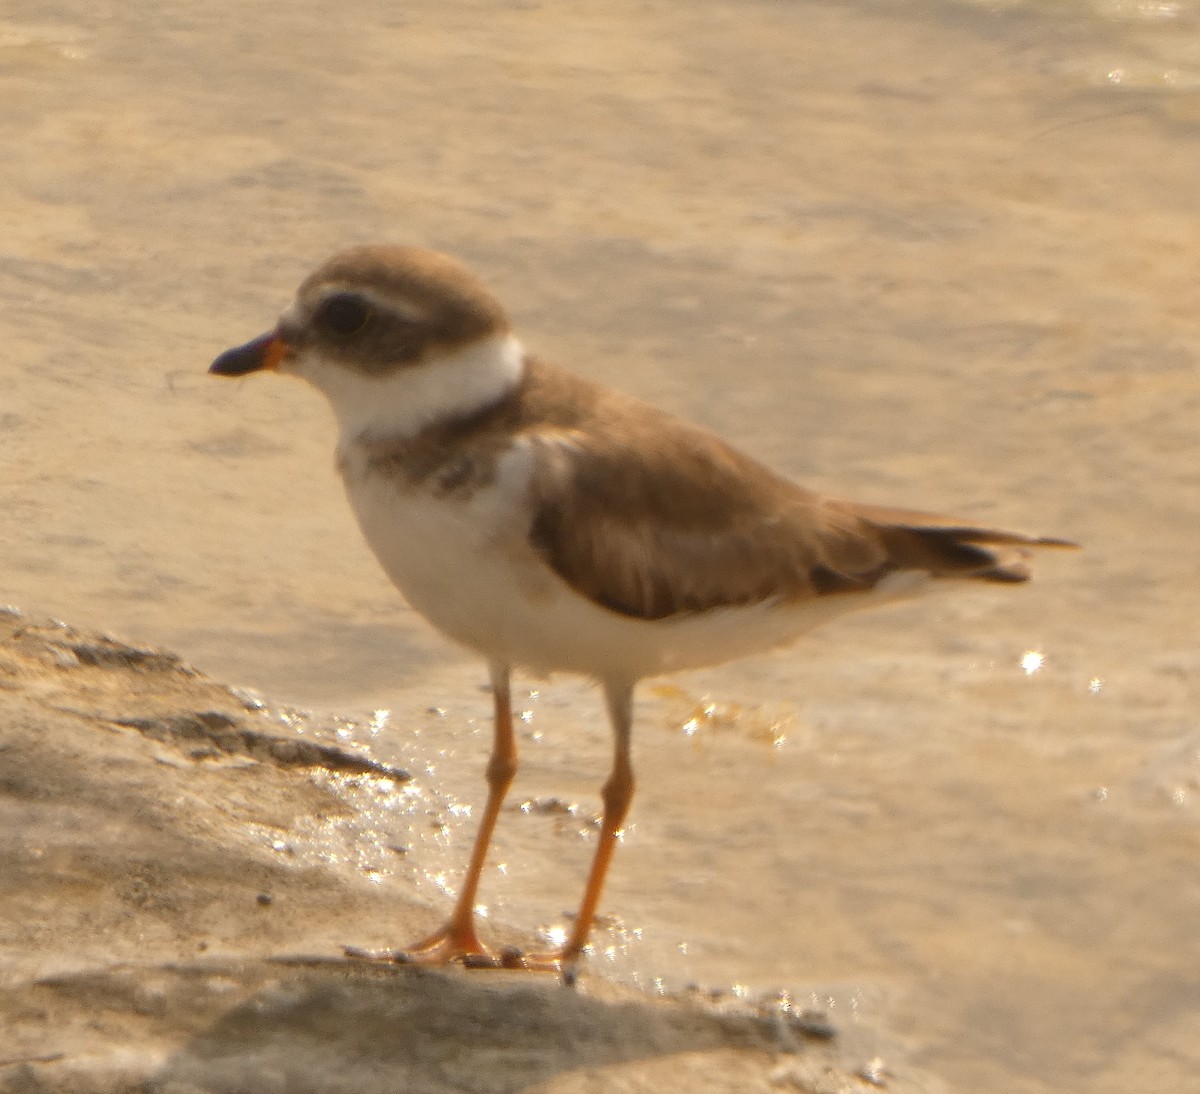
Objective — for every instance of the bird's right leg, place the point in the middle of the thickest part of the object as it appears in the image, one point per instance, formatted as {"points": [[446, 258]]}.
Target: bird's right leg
{"points": [[457, 939]]}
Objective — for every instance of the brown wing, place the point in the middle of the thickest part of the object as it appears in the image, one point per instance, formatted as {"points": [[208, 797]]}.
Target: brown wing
{"points": [[689, 524]]}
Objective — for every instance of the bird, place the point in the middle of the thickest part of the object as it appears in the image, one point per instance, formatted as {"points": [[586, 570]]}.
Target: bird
{"points": [[549, 523]]}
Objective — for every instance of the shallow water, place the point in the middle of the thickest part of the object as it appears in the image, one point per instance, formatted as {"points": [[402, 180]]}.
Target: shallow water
{"points": [[942, 258]]}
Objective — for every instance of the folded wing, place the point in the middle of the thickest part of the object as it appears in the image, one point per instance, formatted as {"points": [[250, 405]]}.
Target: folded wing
{"points": [[662, 534]]}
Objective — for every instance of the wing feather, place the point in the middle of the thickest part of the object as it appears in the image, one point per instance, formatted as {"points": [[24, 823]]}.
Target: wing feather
{"points": [[690, 525]]}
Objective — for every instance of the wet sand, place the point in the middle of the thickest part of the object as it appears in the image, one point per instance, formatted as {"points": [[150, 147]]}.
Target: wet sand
{"points": [[941, 258], [158, 907]]}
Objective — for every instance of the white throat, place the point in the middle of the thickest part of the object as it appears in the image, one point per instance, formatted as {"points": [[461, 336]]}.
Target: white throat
{"points": [[406, 401]]}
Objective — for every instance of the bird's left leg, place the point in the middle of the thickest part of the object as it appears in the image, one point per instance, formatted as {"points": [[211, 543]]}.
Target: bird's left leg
{"points": [[616, 795]]}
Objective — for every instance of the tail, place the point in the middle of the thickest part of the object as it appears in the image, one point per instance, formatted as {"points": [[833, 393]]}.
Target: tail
{"points": [[946, 547]]}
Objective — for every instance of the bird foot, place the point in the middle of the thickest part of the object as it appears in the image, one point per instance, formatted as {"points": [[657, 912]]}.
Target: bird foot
{"points": [[558, 962], [448, 946]]}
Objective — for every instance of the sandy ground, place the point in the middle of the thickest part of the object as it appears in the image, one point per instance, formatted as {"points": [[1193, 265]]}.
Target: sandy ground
{"points": [[937, 254]]}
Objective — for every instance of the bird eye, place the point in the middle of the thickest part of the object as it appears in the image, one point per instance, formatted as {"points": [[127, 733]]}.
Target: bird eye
{"points": [[344, 314]]}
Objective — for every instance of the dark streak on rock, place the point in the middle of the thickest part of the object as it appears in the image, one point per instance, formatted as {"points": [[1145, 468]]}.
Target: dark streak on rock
{"points": [[223, 733]]}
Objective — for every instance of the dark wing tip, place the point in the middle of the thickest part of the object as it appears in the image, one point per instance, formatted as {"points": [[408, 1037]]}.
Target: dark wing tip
{"points": [[1052, 541]]}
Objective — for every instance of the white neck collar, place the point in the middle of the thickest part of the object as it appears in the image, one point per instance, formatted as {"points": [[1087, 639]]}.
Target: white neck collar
{"points": [[408, 400]]}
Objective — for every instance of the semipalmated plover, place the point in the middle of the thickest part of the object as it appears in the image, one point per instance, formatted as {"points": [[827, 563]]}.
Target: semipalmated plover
{"points": [[552, 524]]}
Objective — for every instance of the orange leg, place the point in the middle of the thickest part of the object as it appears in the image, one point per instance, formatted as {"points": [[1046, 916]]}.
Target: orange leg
{"points": [[616, 795], [457, 940]]}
